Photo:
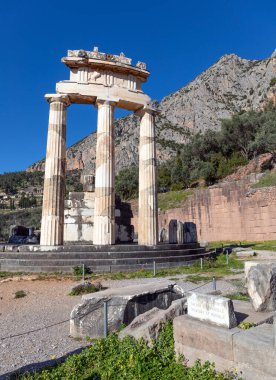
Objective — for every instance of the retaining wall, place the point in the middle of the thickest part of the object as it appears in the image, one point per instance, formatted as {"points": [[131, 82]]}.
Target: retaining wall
{"points": [[228, 211]]}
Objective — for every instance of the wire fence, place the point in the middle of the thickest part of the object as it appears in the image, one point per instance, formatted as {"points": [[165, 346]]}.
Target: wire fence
{"points": [[101, 303], [104, 302]]}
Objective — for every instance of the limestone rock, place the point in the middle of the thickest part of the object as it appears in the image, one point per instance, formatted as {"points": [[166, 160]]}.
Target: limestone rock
{"points": [[261, 286], [246, 253], [124, 304], [149, 324]]}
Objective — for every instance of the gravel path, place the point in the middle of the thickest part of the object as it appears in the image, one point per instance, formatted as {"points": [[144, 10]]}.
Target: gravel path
{"points": [[48, 303]]}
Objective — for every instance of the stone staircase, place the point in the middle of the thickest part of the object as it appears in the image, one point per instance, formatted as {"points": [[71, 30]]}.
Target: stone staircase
{"points": [[127, 257]]}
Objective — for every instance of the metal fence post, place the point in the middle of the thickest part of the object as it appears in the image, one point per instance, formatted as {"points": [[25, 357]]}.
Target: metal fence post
{"points": [[105, 319], [154, 268], [201, 263], [227, 257], [214, 284], [83, 273]]}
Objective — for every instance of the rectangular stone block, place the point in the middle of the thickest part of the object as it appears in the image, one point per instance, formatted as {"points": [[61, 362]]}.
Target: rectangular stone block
{"points": [[212, 309], [200, 336], [255, 348]]}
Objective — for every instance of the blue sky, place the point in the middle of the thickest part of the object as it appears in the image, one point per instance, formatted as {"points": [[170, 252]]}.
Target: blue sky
{"points": [[177, 39]]}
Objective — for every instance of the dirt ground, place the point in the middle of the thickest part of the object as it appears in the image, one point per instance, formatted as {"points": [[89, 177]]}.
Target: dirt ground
{"points": [[35, 329], [47, 303]]}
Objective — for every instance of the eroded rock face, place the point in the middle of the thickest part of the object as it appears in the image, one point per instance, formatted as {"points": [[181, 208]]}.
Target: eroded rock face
{"points": [[124, 304], [261, 286]]}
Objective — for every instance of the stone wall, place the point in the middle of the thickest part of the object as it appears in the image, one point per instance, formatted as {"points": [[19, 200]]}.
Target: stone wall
{"points": [[228, 211], [79, 219]]}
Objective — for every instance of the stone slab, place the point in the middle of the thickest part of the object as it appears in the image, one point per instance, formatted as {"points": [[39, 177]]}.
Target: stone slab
{"points": [[248, 352], [245, 313], [255, 348], [246, 253], [213, 309], [149, 324], [124, 304], [204, 337]]}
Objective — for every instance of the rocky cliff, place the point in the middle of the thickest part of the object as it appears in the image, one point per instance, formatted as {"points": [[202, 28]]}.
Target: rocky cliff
{"points": [[230, 85]]}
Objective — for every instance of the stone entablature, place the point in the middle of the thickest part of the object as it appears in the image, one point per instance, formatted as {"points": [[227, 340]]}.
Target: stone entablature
{"points": [[94, 74], [95, 54]]}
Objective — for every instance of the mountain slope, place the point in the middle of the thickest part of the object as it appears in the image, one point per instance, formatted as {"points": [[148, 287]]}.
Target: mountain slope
{"points": [[230, 85]]}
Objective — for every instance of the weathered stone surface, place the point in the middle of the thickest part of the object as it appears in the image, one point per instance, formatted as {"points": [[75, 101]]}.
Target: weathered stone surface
{"points": [[261, 286], [227, 212], [250, 352], [213, 309], [124, 304], [79, 218], [148, 223], [163, 235], [204, 337], [180, 232], [190, 232], [104, 208], [245, 253], [245, 313], [149, 324], [52, 222], [255, 347], [173, 231]]}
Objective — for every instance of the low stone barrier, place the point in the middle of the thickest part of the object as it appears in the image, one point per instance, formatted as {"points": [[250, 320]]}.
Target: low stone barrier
{"points": [[200, 335]]}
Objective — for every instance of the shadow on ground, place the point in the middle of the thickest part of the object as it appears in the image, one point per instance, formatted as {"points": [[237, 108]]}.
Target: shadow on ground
{"points": [[35, 367]]}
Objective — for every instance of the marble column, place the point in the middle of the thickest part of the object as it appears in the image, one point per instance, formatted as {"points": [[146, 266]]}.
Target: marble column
{"points": [[54, 182], [147, 221], [104, 211]]}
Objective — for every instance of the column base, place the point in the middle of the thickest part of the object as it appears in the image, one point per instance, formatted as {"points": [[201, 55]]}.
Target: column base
{"points": [[104, 231]]}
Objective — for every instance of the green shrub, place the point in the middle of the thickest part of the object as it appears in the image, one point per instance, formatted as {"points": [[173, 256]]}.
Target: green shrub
{"points": [[20, 294], [269, 179], [272, 82], [78, 270], [228, 166], [246, 325], [238, 296], [85, 288]]}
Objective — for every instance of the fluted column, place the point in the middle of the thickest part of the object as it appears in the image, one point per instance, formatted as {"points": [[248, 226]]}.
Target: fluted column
{"points": [[104, 209], [54, 182], [147, 222]]}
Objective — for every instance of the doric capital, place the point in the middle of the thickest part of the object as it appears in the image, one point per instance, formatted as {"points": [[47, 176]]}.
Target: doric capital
{"points": [[60, 98], [107, 102], [147, 109]]}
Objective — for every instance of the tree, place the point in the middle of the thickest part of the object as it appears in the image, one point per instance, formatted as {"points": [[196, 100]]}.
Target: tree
{"points": [[126, 182]]}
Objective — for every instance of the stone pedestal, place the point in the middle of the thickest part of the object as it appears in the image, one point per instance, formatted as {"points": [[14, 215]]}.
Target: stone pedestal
{"points": [[55, 165], [173, 231], [180, 232], [104, 213], [147, 233]]}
